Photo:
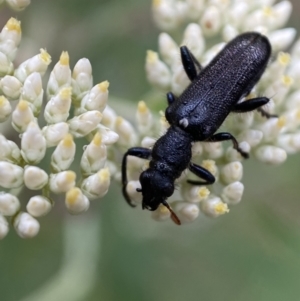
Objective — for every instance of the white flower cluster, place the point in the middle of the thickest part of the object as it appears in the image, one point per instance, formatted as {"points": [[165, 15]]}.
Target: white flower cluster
{"points": [[73, 109], [269, 140]]}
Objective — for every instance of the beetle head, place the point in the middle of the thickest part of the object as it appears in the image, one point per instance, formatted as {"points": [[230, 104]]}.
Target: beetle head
{"points": [[156, 188]]}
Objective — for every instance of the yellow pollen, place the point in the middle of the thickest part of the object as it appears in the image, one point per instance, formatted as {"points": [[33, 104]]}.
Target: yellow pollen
{"points": [[298, 114], [65, 93], [210, 165], [2, 101], [281, 122], [152, 57], [68, 141], [70, 176], [221, 208], [72, 195], [287, 80], [13, 24], [45, 56], [103, 86], [119, 121], [23, 105], [283, 58], [104, 174], [142, 107], [64, 58], [97, 140], [268, 11], [156, 3], [163, 209], [203, 192]]}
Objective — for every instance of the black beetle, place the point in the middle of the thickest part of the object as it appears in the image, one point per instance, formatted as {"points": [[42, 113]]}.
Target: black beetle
{"points": [[198, 112]]}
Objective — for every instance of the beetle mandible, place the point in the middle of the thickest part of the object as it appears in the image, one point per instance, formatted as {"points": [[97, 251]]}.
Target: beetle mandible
{"points": [[198, 112]]}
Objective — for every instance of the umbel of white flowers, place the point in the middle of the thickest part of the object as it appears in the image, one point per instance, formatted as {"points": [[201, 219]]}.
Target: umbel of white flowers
{"points": [[21, 102], [268, 140]]}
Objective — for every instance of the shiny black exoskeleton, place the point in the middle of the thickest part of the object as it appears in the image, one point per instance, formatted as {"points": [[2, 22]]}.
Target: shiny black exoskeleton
{"points": [[198, 112]]}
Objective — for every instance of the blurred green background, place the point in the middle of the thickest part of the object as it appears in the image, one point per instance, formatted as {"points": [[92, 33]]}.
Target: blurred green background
{"points": [[115, 253]]}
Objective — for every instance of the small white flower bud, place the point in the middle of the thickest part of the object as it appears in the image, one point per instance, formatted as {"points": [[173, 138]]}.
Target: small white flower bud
{"points": [[63, 154], [109, 117], [237, 13], [157, 71], [213, 207], [60, 77], [84, 124], [6, 66], [11, 175], [108, 136], [62, 181], [168, 49], [229, 32], [18, 5], [165, 14], [186, 212], [82, 79], [10, 86], [5, 109], [9, 151], [38, 63], [76, 202], [9, 204], [211, 166], [193, 193], [214, 149], [232, 172], [33, 92], [211, 53], [96, 186], [290, 142], [197, 149], [22, 116], [195, 8], [272, 127], [232, 193], [26, 226], [134, 195], [148, 142], [35, 178], [57, 108], [282, 38], [96, 99], [126, 132], [144, 118], [161, 214], [271, 154], [54, 133], [10, 38], [211, 20], [193, 39], [38, 205], [253, 137], [3, 227], [282, 12], [33, 144], [94, 156]]}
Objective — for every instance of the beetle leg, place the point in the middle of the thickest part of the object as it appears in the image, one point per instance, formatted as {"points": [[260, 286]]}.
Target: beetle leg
{"points": [[253, 104], [140, 152], [227, 136], [201, 172], [190, 64]]}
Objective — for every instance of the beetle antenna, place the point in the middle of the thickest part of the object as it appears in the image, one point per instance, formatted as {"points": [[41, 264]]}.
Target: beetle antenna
{"points": [[174, 217]]}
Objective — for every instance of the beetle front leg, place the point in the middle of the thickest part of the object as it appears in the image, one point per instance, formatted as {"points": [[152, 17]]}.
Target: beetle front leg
{"points": [[140, 152], [202, 173], [253, 104], [227, 136], [190, 64]]}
